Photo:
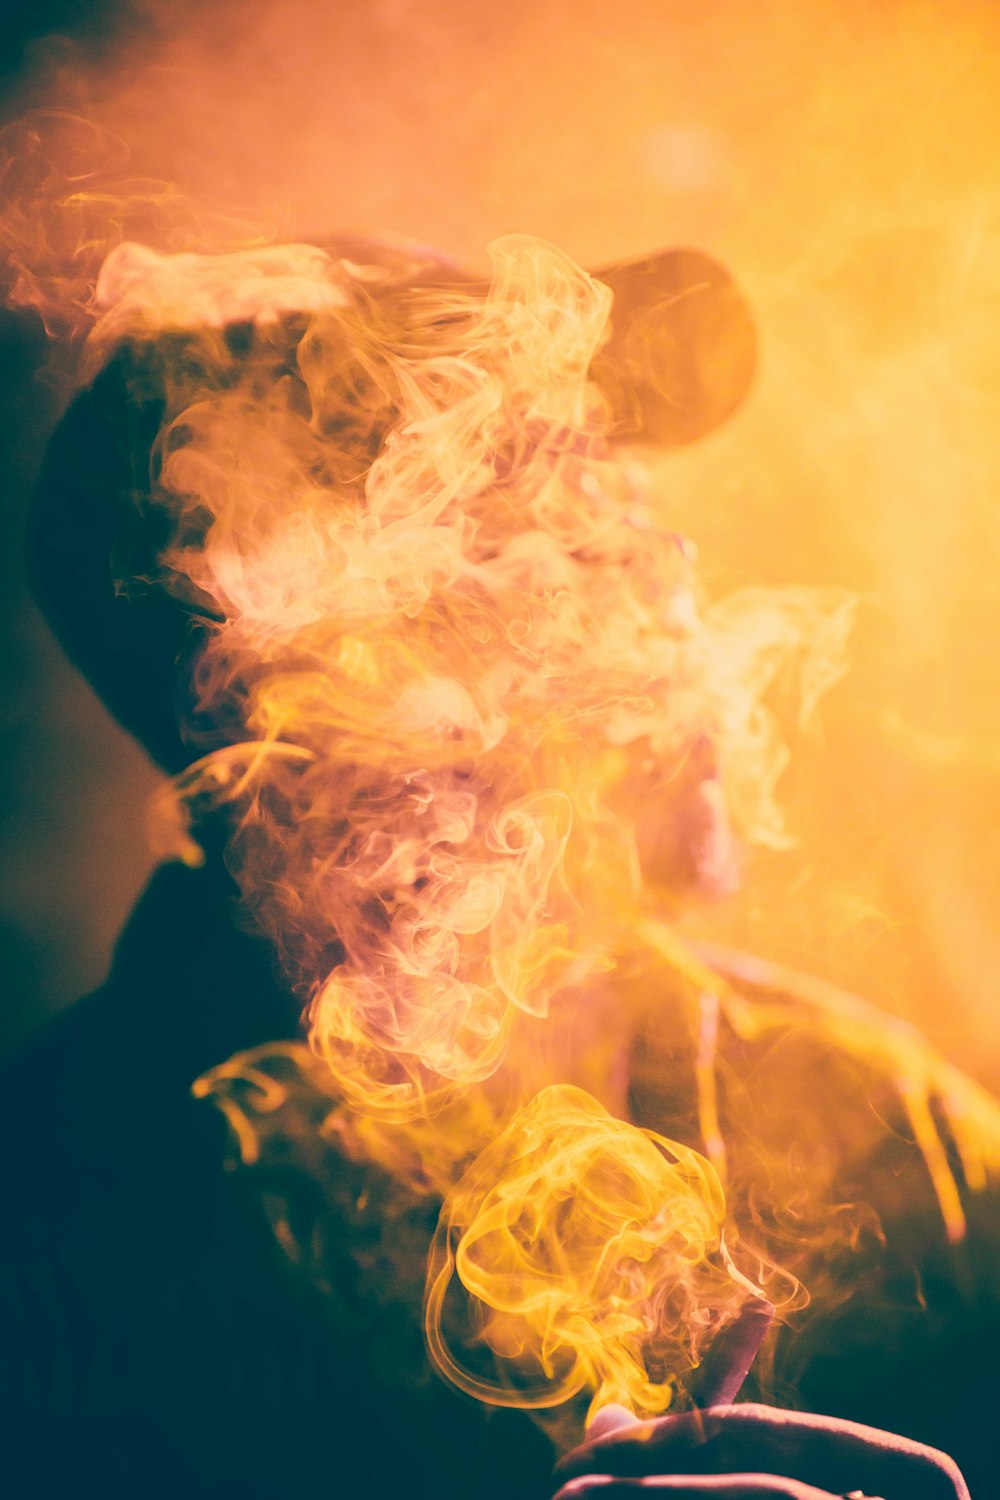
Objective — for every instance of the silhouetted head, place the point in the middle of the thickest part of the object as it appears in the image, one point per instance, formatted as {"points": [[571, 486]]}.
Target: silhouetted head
{"points": [[678, 360]]}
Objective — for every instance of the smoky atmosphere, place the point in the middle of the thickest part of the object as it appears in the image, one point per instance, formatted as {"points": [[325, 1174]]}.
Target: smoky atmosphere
{"points": [[501, 746]]}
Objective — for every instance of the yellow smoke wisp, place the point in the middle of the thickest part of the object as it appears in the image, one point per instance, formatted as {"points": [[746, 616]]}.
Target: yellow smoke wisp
{"points": [[484, 728], [585, 1245]]}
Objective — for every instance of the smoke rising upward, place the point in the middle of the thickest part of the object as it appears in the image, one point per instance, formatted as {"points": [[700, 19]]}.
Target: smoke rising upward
{"points": [[840, 160], [461, 652], [466, 650], [485, 720], [475, 729]]}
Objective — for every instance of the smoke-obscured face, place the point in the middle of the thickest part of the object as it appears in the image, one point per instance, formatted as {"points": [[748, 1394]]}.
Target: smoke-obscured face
{"points": [[481, 736], [483, 730]]}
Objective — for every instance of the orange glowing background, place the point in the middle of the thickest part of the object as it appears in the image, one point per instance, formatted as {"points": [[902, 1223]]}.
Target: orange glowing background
{"points": [[840, 158]]}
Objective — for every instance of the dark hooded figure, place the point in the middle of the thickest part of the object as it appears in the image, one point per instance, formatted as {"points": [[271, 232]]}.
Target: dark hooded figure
{"points": [[155, 1338]]}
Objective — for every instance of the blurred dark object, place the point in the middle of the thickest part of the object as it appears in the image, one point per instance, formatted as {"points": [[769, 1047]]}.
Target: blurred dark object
{"points": [[683, 348], [90, 25], [73, 857], [94, 540], [154, 1338]]}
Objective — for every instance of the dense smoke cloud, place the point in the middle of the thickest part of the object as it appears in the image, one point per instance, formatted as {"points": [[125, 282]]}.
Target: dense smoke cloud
{"points": [[839, 160]]}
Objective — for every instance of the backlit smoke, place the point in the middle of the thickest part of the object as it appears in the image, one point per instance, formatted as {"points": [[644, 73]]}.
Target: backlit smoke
{"points": [[477, 732]]}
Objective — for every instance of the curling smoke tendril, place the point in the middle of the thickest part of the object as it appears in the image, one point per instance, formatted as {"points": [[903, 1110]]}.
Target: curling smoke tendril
{"points": [[478, 692]]}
